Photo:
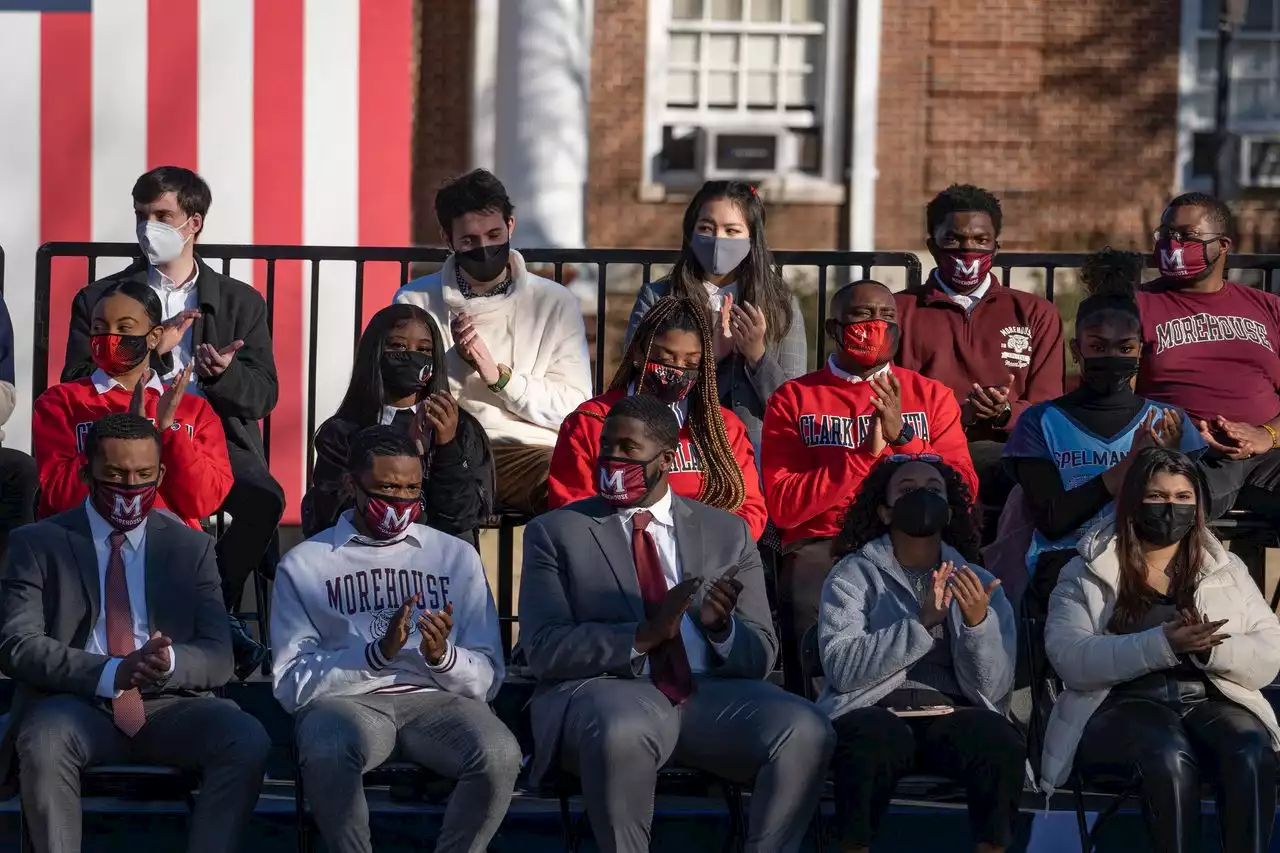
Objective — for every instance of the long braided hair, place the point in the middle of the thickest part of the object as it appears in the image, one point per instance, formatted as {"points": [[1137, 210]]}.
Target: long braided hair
{"points": [[722, 483]]}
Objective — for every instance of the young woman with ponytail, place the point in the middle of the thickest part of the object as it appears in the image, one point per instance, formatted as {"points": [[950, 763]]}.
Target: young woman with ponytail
{"points": [[715, 462]]}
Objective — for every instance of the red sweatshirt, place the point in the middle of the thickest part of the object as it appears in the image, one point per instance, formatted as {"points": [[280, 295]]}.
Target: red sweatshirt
{"points": [[1008, 333], [573, 463], [812, 451], [197, 472]]}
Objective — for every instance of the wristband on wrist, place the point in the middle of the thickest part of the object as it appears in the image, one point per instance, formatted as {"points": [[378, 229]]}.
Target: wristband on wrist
{"points": [[1275, 439], [504, 376]]}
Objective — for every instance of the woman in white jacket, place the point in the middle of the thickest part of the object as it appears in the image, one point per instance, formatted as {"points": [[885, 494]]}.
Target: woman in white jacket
{"points": [[1164, 643]]}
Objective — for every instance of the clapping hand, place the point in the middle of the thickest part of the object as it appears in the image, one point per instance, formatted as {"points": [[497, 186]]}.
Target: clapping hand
{"points": [[719, 603], [473, 349], [1191, 633], [174, 328], [937, 596], [398, 631], [1233, 439], [211, 362], [747, 323], [147, 666], [435, 628], [988, 403], [886, 398], [665, 624], [973, 598]]}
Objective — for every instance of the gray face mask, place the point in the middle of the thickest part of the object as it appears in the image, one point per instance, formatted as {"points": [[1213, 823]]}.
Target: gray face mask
{"points": [[719, 255]]}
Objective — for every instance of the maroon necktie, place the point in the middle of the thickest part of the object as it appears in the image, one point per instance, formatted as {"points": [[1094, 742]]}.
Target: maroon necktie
{"points": [[127, 707], [668, 661]]}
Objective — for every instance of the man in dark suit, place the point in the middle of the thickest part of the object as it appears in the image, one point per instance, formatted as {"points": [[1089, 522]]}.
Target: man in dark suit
{"points": [[112, 624], [220, 324], [644, 618]]}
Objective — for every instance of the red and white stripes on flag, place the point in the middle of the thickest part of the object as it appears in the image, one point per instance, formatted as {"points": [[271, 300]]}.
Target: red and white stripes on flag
{"points": [[297, 112]]}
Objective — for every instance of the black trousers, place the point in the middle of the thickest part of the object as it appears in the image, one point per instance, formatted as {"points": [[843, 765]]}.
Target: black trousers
{"points": [[994, 484], [1251, 484], [977, 748], [19, 480], [1166, 752], [255, 503], [804, 570]]}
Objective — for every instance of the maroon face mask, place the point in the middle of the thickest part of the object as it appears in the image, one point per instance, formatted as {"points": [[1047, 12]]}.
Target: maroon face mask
{"points": [[124, 507], [1184, 260], [624, 482], [964, 270], [389, 517]]}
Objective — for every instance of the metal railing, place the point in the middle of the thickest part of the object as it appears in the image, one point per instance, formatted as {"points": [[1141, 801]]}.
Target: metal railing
{"points": [[410, 262]]}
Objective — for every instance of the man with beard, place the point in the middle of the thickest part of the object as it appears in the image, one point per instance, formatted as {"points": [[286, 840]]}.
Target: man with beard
{"points": [[998, 349], [1209, 346]]}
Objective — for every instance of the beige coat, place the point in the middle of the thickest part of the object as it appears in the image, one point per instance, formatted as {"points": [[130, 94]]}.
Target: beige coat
{"points": [[1090, 661]]}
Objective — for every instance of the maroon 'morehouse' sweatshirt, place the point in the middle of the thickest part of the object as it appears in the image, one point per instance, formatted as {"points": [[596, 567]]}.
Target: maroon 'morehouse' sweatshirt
{"points": [[1008, 333]]}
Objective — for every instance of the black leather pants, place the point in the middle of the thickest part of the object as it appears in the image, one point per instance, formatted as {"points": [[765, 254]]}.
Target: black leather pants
{"points": [[1167, 748]]}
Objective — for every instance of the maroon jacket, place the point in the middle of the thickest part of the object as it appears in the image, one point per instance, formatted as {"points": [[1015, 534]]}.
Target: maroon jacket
{"points": [[1009, 332]]}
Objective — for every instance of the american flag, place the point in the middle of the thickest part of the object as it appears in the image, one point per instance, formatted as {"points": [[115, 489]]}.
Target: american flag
{"points": [[297, 112]]}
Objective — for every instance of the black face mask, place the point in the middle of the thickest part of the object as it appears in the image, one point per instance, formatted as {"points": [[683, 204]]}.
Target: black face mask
{"points": [[1163, 524], [920, 513], [405, 372], [1108, 374], [485, 263], [668, 383]]}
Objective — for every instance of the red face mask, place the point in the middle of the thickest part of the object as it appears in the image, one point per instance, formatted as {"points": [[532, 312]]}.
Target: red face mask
{"points": [[668, 383], [870, 342], [389, 517], [1184, 260], [624, 482], [117, 354], [124, 507], [964, 270]]}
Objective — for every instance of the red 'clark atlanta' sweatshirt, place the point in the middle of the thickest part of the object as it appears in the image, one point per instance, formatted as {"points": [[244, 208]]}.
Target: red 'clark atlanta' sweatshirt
{"points": [[573, 463], [197, 472], [814, 452]]}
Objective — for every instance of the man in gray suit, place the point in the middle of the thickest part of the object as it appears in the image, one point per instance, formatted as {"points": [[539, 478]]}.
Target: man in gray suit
{"points": [[113, 626], [644, 618]]}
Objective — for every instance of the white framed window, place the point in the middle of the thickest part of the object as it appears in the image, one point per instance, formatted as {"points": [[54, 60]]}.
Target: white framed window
{"points": [[1254, 70], [734, 84]]}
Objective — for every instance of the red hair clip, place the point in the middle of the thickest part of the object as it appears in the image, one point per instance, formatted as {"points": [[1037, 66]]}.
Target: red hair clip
{"points": [[753, 190]]}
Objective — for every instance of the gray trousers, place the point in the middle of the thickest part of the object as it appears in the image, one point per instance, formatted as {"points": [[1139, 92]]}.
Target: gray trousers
{"points": [[342, 737], [62, 735], [619, 732]]}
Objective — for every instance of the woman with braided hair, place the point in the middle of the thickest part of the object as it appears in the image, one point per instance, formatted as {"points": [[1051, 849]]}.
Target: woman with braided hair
{"points": [[715, 463]]}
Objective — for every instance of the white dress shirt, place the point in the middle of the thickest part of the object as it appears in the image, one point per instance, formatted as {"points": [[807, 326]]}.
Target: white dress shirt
{"points": [[102, 383], [134, 552], [388, 413], [663, 530], [176, 298], [853, 377], [966, 301]]}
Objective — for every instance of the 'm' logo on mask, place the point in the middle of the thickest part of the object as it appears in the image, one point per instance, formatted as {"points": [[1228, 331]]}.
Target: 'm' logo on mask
{"points": [[611, 482], [969, 270], [130, 508], [1172, 260], [393, 520]]}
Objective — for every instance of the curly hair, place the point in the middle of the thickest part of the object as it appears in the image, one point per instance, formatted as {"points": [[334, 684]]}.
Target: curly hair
{"points": [[722, 483], [861, 522], [1112, 272], [963, 198]]}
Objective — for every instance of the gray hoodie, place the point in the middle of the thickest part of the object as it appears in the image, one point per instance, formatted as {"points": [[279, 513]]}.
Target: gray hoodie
{"points": [[869, 634]]}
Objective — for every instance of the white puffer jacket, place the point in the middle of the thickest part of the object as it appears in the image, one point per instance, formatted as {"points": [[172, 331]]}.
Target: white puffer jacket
{"points": [[1090, 661]]}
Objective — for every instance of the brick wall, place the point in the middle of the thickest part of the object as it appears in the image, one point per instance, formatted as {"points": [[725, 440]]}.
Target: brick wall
{"points": [[616, 217], [442, 117], [1068, 112]]}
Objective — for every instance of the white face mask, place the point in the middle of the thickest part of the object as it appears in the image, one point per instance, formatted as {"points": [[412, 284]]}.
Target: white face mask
{"points": [[161, 243]]}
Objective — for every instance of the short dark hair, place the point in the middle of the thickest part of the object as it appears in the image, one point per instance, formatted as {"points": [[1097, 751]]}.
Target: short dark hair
{"points": [[478, 191], [122, 425], [194, 195], [658, 419], [1219, 214], [963, 198], [376, 441], [140, 292], [843, 292]]}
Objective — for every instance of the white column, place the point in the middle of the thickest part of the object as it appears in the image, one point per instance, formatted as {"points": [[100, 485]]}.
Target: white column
{"points": [[865, 127], [540, 117]]}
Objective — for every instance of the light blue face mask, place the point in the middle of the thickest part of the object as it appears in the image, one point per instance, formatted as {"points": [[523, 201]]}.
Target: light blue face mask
{"points": [[719, 255]]}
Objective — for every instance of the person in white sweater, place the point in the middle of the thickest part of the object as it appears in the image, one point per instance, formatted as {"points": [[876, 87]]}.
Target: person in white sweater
{"points": [[1164, 644], [388, 647], [517, 345]]}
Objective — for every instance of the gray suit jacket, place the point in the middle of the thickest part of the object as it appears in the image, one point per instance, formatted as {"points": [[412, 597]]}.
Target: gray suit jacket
{"points": [[50, 599], [580, 603]]}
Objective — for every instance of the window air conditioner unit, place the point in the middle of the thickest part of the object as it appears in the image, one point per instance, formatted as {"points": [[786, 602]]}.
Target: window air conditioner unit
{"points": [[1260, 160], [744, 154]]}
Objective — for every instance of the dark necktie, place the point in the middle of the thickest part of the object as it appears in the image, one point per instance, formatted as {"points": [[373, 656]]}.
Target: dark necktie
{"points": [[127, 707], [668, 661]]}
